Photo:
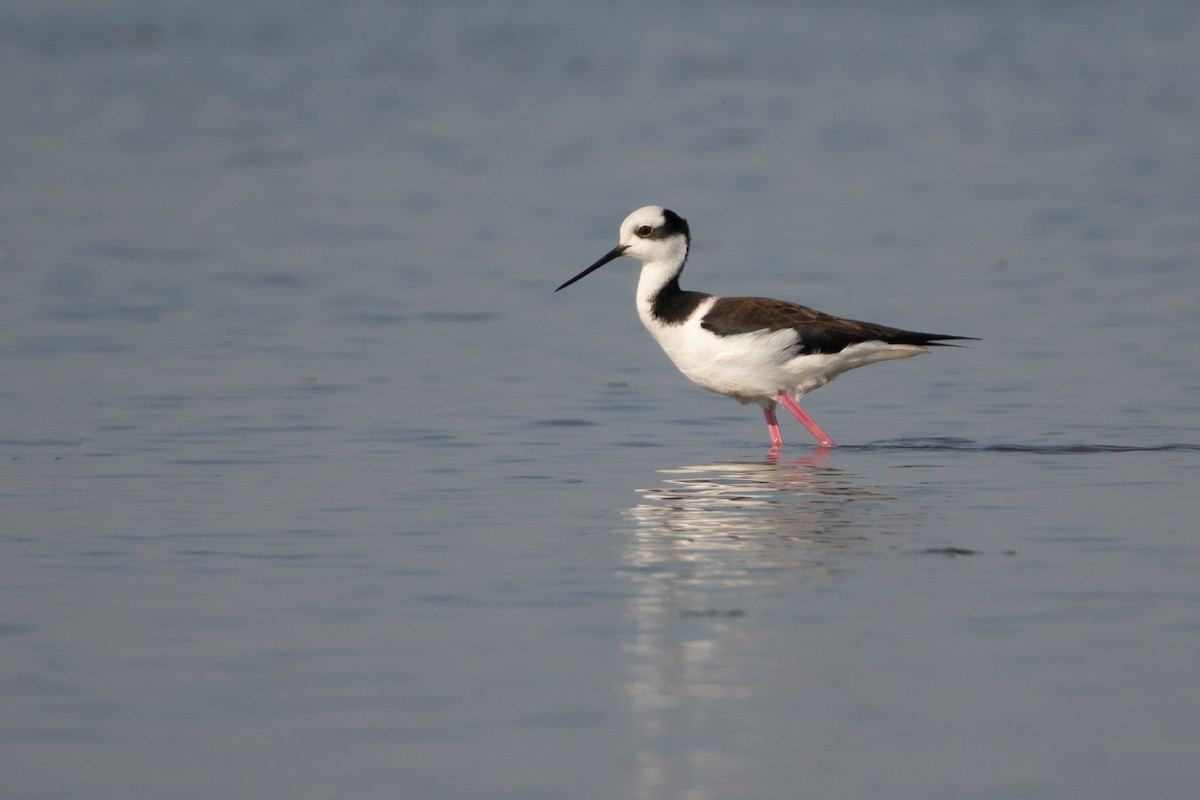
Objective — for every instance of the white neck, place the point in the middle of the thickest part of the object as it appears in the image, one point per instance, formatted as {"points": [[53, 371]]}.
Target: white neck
{"points": [[655, 275], [665, 265]]}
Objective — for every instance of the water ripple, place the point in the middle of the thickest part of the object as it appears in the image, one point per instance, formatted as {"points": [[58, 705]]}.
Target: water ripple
{"points": [[967, 445]]}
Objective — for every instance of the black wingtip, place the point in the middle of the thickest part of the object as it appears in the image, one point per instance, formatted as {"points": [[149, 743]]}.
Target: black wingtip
{"points": [[939, 341]]}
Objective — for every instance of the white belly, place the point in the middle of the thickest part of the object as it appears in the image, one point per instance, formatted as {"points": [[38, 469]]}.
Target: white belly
{"points": [[756, 367]]}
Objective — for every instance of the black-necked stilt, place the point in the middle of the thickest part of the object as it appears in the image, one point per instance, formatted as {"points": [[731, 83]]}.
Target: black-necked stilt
{"points": [[752, 349]]}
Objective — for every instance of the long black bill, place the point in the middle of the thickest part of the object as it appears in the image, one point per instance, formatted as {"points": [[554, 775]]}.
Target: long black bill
{"points": [[615, 253]]}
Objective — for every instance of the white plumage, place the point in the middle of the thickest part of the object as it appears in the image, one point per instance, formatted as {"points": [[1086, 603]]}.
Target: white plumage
{"points": [[752, 349]]}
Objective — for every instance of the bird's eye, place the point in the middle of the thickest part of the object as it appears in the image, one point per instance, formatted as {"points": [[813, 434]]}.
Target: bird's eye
{"points": [[644, 230]]}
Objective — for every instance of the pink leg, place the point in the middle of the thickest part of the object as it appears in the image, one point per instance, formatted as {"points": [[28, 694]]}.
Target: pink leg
{"points": [[808, 422], [773, 426]]}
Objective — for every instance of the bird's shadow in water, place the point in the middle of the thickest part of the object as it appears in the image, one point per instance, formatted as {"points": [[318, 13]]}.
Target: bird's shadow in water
{"points": [[742, 516], [714, 554]]}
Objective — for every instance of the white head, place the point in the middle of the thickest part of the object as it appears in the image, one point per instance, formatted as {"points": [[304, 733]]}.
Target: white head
{"points": [[652, 234]]}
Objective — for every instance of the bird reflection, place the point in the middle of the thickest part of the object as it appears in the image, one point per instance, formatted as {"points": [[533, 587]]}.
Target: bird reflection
{"points": [[747, 515], [709, 547]]}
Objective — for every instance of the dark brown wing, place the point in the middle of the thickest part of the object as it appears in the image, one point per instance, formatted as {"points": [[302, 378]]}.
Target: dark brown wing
{"points": [[818, 332]]}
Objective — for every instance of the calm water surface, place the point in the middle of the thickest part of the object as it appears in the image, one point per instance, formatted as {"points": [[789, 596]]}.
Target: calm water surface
{"points": [[312, 486]]}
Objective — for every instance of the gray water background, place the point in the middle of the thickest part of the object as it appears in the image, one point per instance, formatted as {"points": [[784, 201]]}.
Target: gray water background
{"points": [[311, 487]]}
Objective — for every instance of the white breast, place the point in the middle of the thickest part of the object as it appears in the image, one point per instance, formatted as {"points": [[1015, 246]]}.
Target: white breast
{"points": [[754, 367]]}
